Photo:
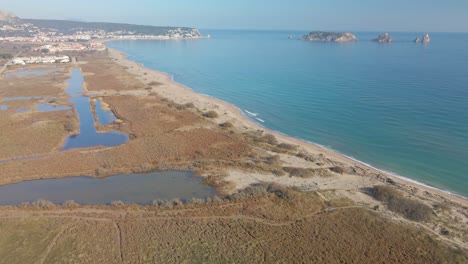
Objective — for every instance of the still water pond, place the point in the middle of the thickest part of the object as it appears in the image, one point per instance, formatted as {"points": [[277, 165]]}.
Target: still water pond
{"points": [[88, 136], [129, 188]]}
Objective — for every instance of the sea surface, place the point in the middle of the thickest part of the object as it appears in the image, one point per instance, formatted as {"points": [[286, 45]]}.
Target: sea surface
{"points": [[400, 107]]}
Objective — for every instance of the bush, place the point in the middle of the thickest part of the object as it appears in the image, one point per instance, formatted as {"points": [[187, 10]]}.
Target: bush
{"points": [[268, 138], [338, 169], [189, 105], [272, 160], [287, 146], [43, 204], [305, 156], [153, 83], [279, 191], [226, 125], [408, 208], [69, 127], [279, 173], [384, 193], [196, 201], [117, 203], [298, 172], [70, 204], [211, 114], [307, 172]]}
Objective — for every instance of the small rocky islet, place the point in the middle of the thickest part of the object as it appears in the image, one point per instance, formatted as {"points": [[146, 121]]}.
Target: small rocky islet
{"points": [[321, 36], [384, 38]]}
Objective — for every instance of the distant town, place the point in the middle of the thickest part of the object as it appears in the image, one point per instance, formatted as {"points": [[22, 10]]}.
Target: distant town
{"points": [[55, 38]]}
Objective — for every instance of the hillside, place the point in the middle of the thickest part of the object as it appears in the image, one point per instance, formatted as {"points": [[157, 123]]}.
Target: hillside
{"points": [[12, 26], [72, 27]]}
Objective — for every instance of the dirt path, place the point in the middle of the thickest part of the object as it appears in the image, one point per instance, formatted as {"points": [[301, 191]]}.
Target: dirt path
{"points": [[52, 244]]}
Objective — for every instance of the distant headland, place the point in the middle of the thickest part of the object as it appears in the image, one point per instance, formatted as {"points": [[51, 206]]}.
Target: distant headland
{"points": [[13, 28]]}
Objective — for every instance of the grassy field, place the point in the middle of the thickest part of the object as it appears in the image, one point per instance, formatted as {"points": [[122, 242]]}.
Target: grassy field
{"points": [[267, 228]]}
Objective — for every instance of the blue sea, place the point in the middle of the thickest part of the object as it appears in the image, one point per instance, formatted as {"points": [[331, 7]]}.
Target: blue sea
{"points": [[400, 107]]}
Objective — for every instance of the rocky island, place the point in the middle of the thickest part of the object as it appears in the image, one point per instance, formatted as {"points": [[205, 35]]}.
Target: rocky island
{"points": [[426, 39], [329, 37], [384, 38]]}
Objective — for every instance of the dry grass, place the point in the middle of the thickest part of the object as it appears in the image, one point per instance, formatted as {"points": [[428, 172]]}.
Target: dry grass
{"points": [[272, 225]]}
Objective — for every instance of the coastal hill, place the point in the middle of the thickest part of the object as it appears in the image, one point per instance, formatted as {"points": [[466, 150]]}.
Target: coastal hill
{"points": [[329, 37], [7, 17], [12, 26]]}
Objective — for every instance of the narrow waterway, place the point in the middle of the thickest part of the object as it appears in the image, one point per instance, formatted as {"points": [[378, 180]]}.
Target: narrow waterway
{"points": [[88, 136]]}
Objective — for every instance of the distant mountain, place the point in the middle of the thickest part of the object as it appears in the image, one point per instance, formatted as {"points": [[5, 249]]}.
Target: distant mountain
{"points": [[329, 37]]}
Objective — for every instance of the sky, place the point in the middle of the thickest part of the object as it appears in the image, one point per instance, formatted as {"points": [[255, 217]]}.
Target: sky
{"points": [[353, 15]]}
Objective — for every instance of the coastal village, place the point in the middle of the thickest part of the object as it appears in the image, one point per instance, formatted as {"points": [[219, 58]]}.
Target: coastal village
{"points": [[56, 43]]}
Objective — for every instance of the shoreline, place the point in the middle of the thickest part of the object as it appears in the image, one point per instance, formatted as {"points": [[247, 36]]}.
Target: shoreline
{"points": [[246, 123]]}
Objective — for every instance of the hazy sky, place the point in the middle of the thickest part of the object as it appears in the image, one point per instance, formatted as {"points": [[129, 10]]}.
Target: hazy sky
{"points": [[357, 15]]}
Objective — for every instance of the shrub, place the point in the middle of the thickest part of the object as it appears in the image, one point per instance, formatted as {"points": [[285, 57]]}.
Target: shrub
{"points": [[268, 138], [210, 114], [70, 204], [41, 203], [280, 191], [305, 156], [298, 172], [153, 83], [196, 201], [384, 193], [272, 160], [189, 105], [226, 125], [279, 173], [408, 208], [117, 203], [287, 146], [338, 169], [69, 127]]}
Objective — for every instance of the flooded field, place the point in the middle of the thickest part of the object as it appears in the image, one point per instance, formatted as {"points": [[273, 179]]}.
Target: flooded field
{"points": [[130, 188]]}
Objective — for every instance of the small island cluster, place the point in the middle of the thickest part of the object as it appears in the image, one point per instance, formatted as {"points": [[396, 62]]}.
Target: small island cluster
{"points": [[321, 36]]}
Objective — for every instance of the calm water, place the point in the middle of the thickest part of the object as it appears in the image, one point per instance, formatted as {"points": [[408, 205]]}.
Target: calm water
{"points": [[105, 117], [401, 107], [132, 188], [88, 136]]}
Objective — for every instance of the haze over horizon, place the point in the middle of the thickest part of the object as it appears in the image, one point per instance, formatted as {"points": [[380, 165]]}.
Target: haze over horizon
{"points": [[367, 15]]}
